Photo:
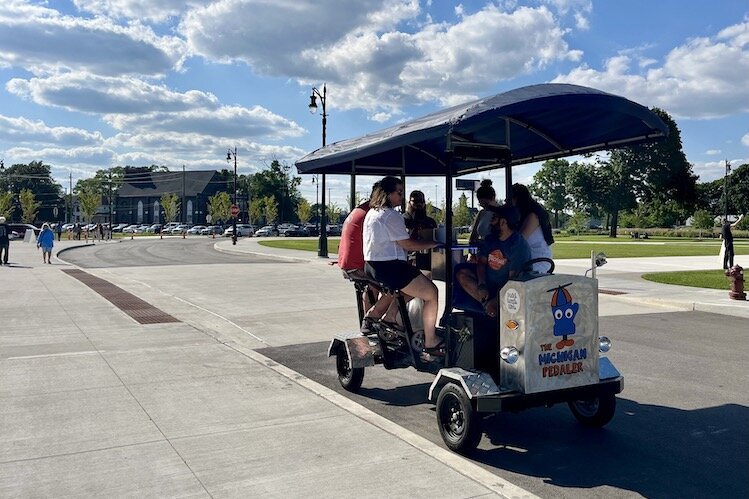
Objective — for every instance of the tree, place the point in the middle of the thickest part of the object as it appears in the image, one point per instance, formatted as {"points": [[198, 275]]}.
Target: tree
{"points": [[738, 190], [667, 174], [277, 183], [36, 178], [703, 220], [549, 184], [29, 206], [89, 200], [170, 204], [257, 209], [461, 215], [219, 206], [333, 213], [578, 223], [6, 204], [270, 209], [304, 211]]}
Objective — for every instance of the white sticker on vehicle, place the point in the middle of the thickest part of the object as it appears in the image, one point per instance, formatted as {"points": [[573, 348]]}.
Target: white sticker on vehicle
{"points": [[512, 300]]}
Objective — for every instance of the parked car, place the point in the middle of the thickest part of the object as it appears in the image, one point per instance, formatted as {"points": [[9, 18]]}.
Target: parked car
{"points": [[180, 229], [312, 229], [132, 229], [116, 228], [195, 229], [22, 228], [212, 229], [154, 229], [268, 230], [242, 230], [334, 230], [295, 231]]}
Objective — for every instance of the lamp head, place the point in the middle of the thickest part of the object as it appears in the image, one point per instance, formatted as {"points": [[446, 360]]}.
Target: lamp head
{"points": [[601, 259], [228, 155], [312, 103]]}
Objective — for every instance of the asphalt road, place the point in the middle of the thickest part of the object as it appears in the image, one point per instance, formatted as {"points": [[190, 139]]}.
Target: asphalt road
{"points": [[681, 424], [681, 428], [171, 250]]}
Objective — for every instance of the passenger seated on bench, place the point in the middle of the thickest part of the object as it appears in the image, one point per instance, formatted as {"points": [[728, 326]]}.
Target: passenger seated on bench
{"points": [[386, 242], [502, 255], [351, 262]]}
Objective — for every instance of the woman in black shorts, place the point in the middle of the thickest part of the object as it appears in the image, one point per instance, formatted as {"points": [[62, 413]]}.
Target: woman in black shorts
{"points": [[386, 243]]}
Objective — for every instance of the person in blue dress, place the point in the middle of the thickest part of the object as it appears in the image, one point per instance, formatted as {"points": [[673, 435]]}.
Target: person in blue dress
{"points": [[46, 241]]}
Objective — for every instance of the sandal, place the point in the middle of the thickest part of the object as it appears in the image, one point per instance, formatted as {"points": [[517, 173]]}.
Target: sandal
{"points": [[428, 353], [366, 325]]}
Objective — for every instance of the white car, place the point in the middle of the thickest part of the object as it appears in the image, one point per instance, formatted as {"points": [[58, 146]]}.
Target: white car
{"points": [[195, 229], [242, 230]]}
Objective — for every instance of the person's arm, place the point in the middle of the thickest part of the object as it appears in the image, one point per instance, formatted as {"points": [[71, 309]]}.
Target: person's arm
{"points": [[481, 278], [415, 244], [530, 224], [737, 221]]}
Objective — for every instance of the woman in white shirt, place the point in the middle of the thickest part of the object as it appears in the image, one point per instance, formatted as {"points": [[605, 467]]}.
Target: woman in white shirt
{"points": [[386, 243]]}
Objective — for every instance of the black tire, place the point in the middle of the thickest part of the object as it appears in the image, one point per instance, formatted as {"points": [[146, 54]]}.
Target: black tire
{"points": [[459, 424], [596, 412], [350, 379]]}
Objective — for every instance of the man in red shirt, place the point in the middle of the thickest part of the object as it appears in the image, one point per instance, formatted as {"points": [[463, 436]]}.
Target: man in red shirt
{"points": [[351, 247], [351, 262]]}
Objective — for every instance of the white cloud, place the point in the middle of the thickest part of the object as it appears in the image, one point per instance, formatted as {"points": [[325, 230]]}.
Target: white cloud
{"points": [[26, 131], [712, 152], [94, 157], [42, 41], [148, 10], [357, 48], [712, 170], [102, 94], [745, 140], [704, 78]]}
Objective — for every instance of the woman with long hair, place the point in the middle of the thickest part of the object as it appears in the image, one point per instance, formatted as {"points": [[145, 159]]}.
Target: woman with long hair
{"points": [[534, 225], [386, 243]]}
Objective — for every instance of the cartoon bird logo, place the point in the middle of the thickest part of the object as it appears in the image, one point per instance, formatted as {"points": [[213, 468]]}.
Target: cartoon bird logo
{"points": [[564, 312]]}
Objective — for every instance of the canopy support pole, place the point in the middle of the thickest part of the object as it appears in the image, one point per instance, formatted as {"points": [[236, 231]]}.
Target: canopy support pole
{"points": [[352, 200], [446, 315], [508, 168]]}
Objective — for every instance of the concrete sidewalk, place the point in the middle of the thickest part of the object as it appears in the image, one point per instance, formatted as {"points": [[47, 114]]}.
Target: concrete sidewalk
{"points": [[619, 275], [94, 404]]}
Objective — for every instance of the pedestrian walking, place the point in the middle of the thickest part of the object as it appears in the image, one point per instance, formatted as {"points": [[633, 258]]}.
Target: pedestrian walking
{"points": [[4, 241], [46, 241], [727, 235], [59, 230]]}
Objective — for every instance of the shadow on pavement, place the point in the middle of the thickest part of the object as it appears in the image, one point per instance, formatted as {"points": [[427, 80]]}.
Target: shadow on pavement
{"points": [[653, 450]]}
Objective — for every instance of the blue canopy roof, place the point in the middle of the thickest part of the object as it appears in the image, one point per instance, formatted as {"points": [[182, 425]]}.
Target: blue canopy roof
{"points": [[524, 125]]}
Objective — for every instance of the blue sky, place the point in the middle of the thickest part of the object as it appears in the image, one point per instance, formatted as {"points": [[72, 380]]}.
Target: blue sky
{"points": [[89, 84]]}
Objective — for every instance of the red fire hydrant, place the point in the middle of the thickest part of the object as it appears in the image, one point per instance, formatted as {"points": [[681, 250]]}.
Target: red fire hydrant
{"points": [[736, 276]]}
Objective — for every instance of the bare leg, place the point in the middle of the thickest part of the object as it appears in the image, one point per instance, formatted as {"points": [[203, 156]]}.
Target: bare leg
{"points": [[423, 288], [470, 284]]}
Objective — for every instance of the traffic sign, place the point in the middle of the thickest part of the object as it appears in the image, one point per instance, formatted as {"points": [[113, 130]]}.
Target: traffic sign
{"points": [[208, 218], [234, 210]]}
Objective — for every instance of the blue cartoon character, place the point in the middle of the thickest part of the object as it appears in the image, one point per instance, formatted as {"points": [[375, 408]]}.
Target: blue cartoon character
{"points": [[564, 312]]}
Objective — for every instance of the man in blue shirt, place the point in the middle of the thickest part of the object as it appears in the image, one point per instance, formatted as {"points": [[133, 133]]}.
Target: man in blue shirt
{"points": [[502, 255]]}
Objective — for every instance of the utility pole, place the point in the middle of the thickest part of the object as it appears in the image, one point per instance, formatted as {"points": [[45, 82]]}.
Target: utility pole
{"points": [[184, 212], [71, 197], [110, 203]]}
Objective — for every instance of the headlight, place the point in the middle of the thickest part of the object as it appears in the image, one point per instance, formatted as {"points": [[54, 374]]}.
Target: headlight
{"points": [[604, 344], [509, 354]]}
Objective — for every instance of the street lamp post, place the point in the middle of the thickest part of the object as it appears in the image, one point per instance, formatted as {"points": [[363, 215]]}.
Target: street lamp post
{"points": [[322, 248], [229, 155]]}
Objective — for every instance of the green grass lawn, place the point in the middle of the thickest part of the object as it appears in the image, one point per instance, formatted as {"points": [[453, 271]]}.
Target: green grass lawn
{"points": [[580, 247], [574, 248], [713, 279]]}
